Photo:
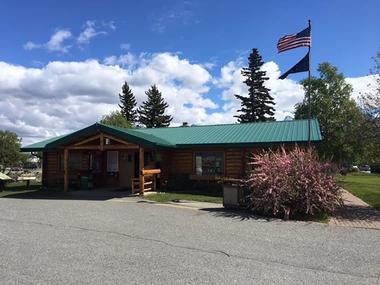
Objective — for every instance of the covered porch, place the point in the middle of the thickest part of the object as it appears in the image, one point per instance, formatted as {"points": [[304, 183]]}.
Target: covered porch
{"points": [[106, 161]]}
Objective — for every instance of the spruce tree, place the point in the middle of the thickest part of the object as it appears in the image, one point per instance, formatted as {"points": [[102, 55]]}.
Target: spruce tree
{"points": [[128, 104], [152, 111], [258, 106]]}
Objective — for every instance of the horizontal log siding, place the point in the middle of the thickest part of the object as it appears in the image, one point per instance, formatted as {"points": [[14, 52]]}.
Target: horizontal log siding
{"points": [[182, 162], [234, 163], [53, 175], [165, 165], [173, 162], [85, 163]]}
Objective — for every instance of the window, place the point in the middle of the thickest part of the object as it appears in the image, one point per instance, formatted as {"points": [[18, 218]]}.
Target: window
{"points": [[94, 161], [112, 161], [148, 157], [74, 160], [209, 163]]}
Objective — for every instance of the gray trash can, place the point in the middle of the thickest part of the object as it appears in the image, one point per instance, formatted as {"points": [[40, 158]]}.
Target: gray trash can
{"points": [[231, 194]]}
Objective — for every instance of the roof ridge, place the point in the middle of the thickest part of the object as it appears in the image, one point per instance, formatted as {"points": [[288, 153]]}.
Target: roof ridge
{"points": [[229, 124], [132, 131], [251, 133]]}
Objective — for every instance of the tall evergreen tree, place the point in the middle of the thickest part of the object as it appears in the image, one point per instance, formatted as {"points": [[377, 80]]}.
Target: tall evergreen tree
{"points": [[258, 106], [128, 104], [152, 111]]}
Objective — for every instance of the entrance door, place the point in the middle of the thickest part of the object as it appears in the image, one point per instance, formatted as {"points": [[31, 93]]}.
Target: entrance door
{"points": [[126, 168]]}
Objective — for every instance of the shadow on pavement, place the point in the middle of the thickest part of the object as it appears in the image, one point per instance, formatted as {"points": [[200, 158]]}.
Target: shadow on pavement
{"points": [[237, 214], [357, 213], [93, 195]]}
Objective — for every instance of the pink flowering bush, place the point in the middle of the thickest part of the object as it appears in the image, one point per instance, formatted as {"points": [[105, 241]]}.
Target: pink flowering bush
{"points": [[285, 183]]}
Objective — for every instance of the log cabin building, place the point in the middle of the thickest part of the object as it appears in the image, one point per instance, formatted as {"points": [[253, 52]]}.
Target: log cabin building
{"points": [[112, 157]]}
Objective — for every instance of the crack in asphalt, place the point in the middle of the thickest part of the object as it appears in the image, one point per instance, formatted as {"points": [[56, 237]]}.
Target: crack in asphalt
{"points": [[219, 252]]}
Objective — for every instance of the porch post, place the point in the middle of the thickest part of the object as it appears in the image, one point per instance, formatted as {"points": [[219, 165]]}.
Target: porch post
{"points": [[66, 170], [141, 176], [101, 138]]}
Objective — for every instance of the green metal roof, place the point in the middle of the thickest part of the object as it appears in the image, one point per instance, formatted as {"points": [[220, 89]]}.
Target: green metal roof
{"points": [[41, 145], [248, 134], [128, 134]]}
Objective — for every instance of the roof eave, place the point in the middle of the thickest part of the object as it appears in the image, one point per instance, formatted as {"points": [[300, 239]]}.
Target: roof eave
{"points": [[252, 144]]}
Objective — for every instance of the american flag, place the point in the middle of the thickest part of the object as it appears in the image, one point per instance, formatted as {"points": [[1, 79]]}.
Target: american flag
{"points": [[302, 39]]}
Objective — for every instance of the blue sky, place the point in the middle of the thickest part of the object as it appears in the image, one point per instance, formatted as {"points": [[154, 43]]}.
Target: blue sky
{"points": [[345, 33], [192, 34]]}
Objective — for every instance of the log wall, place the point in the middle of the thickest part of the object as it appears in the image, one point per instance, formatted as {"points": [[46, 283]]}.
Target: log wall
{"points": [[52, 174], [183, 161], [234, 163], [173, 162]]}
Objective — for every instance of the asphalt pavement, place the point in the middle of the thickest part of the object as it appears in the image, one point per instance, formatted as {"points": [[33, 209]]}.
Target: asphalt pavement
{"points": [[134, 242]]}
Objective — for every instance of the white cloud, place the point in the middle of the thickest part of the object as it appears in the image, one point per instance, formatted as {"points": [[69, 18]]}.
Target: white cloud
{"points": [[362, 85], [110, 24], [125, 46], [31, 45], [89, 31], [56, 42], [61, 97], [286, 93], [127, 59], [181, 13]]}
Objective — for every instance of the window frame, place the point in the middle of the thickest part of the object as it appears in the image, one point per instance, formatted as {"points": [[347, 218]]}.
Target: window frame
{"points": [[61, 163], [79, 163], [196, 153], [116, 162]]}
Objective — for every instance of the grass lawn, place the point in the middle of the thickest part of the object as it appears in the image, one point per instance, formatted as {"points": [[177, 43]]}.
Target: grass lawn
{"points": [[15, 188], [19, 190], [169, 197], [363, 185]]}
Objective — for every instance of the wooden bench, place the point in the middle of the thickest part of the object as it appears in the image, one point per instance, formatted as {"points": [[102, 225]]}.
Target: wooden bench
{"points": [[27, 179]]}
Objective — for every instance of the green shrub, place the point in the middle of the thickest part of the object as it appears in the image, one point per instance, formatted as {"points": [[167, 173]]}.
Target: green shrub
{"points": [[183, 183], [179, 182], [211, 188]]}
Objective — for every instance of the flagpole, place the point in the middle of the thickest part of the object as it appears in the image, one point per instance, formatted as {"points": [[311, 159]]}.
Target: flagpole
{"points": [[309, 91]]}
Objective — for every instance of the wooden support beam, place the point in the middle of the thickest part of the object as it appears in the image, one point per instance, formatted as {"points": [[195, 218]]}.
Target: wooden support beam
{"points": [[141, 170], [101, 142], [117, 139], [87, 140], [151, 171], [119, 146], [82, 147], [97, 147], [66, 170]]}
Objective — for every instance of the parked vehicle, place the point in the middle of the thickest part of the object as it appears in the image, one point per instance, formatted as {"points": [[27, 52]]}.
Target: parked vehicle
{"points": [[354, 167], [365, 168]]}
